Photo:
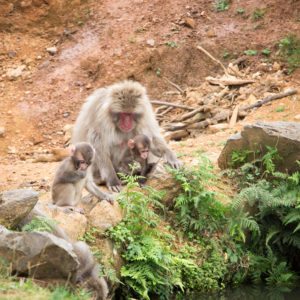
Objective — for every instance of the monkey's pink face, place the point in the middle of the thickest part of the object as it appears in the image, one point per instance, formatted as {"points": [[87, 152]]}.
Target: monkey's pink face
{"points": [[144, 153], [126, 122]]}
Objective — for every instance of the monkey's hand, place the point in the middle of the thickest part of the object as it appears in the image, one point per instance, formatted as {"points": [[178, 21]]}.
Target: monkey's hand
{"points": [[110, 198], [114, 185], [173, 161]]}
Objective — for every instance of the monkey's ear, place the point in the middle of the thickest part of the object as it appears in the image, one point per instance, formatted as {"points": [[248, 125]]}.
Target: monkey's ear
{"points": [[72, 149], [131, 143]]}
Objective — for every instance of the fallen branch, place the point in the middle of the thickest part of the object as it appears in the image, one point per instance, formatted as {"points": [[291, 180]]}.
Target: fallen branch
{"points": [[165, 111], [228, 81], [176, 135], [234, 117], [177, 87], [175, 126], [186, 116], [214, 59], [156, 102], [270, 98]]}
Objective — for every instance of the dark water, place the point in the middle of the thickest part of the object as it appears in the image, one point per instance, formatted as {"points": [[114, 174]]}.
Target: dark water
{"points": [[251, 293]]}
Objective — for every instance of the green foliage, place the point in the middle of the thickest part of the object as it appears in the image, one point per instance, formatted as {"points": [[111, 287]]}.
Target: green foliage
{"points": [[90, 235], [240, 157], [258, 14], [197, 210], [280, 108], [272, 270], [61, 293], [289, 49], [266, 52], [240, 11], [222, 5], [250, 52], [40, 224], [27, 290], [171, 44]]}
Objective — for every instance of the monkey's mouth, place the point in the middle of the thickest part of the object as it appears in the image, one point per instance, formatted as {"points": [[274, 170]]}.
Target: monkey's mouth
{"points": [[126, 122]]}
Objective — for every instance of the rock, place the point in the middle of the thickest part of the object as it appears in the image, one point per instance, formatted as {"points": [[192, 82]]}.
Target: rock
{"points": [[285, 136], [38, 254], [150, 42], [14, 73], [12, 150], [72, 222], [189, 22], [51, 50], [2, 131], [16, 205], [211, 33], [105, 215], [161, 180], [297, 117]]}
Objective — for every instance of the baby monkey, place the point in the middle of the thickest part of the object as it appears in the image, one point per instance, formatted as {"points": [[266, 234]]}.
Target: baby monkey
{"points": [[135, 161], [73, 175]]}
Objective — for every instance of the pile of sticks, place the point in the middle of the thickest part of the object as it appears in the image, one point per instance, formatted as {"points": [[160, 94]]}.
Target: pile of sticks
{"points": [[214, 107]]}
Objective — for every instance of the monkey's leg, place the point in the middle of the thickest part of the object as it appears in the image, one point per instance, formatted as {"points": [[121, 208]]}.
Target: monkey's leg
{"points": [[160, 148]]}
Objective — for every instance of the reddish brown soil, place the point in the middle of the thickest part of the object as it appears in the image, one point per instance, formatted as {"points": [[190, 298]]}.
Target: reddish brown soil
{"points": [[100, 42]]}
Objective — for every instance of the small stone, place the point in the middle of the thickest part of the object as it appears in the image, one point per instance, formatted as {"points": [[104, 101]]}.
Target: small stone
{"points": [[211, 33], [52, 50], [38, 57], [2, 131], [11, 53], [88, 86], [297, 117], [150, 42], [13, 74], [12, 150], [189, 22]]}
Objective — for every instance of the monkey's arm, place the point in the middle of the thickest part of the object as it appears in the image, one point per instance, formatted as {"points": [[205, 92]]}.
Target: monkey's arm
{"points": [[159, 148], [94, 190], [104, 163]]}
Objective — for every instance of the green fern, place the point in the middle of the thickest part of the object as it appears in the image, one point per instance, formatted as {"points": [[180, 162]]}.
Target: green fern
{"points": [[40, 224]]}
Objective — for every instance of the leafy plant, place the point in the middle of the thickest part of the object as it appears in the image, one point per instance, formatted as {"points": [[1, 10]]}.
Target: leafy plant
{"points": [[280, 108], [222, 5], [258, 14], [41, 224], [266, 52], [289, 49], [171, 44], [197, 209], [240, 11], [250, 52]]}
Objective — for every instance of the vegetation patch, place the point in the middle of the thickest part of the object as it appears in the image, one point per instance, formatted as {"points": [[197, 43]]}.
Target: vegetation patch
{"points": [[289, 50]]}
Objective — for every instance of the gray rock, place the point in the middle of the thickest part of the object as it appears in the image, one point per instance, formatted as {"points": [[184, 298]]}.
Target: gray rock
{"points": [[15, 205], [285, 136], [38, 254]]}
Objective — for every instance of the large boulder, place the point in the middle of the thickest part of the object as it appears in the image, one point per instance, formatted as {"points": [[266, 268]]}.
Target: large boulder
{"points": [[38, 254], [105, 215], [15, 205], [162, 180], [285, 136]]}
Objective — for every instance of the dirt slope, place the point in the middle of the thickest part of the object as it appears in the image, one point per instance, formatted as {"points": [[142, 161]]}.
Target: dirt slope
{"points": [[100, 42]]}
